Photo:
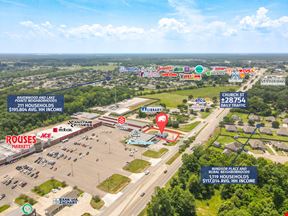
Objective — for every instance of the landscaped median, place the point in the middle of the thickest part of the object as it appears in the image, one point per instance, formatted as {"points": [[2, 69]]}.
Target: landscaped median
{"points": [[189, 127], [137, 166], [173, 158], [22, 199], [155, 154], [96, 202], [4, 207], [114, 183], [48, 186]]}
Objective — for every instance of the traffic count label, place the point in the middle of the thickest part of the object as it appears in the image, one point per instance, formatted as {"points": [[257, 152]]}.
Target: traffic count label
{"points": [[233, 100]]}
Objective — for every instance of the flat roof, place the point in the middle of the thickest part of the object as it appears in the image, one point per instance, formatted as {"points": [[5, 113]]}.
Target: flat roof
{"points": [[59, 134]]}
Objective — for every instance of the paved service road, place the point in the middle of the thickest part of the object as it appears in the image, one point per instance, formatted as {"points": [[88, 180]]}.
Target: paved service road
{"points": [[131, 203]]}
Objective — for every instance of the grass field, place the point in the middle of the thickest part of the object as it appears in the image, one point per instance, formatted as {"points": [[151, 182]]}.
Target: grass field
{"points": [[48, 186], [225, 139], [175, 98], [173, 158], [137, 166], [204, 114], [210, 207], [95, 204], [4, 207], [189, 127], [155, 154], [114, 183], [22, 199]]}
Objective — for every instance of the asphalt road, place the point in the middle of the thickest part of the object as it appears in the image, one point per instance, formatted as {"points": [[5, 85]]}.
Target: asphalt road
{"points": [[131, 203]]}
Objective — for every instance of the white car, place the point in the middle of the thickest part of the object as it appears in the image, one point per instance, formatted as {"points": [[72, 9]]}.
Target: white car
{"points": [[147, 172]]}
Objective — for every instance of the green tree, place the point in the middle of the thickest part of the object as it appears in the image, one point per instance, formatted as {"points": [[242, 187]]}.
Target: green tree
{"points": [[161, 204], [275, 124]]}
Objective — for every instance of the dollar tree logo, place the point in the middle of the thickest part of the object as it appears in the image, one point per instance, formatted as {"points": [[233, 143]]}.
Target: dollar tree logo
{"points": [[199, 69], [27, 209]]}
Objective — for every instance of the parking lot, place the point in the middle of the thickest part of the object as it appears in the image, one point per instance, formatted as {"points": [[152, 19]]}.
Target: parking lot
{"points": [[84, 160]]}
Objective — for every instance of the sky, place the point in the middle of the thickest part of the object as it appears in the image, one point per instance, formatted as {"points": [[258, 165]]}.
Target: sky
{"points": [[143, 26]]}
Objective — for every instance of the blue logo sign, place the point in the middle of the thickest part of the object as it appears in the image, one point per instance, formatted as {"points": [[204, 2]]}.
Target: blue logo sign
{"points": [[233, 100], [151, 109], [229, 175]]}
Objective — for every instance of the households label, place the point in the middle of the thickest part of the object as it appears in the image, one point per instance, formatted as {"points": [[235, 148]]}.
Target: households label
{"points": [[35, 103], [233, 100], [229, 175]]}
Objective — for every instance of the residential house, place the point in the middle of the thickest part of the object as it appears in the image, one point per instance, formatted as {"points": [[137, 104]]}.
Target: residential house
{"points": [[217, 144], [235, 118], [265, 130], [282, 131], [231, 128], [248, 129], [270, 118], [279, 145], [257, 144], [285, 121], [253, 117], [234, 146]]}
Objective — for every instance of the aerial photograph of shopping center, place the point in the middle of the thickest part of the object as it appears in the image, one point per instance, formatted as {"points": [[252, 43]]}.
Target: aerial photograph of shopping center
{"points": [[143, 108]]}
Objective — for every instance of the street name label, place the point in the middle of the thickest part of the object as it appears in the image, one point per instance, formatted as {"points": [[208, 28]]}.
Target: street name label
{"points": [[229, 175], [35, 103], [233, 100]]}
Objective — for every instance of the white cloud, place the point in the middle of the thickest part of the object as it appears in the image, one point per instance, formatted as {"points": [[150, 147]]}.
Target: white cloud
{"points": [[171, 24], [84, 31], [262, 21], [43, 29]]}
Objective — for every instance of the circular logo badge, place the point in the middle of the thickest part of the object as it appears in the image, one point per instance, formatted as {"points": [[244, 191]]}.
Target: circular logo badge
{"points": [[27, 209], [121, 119], [199, 69]]}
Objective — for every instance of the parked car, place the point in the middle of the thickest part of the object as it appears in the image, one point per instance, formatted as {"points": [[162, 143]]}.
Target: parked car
{"points": [[2, 196]]}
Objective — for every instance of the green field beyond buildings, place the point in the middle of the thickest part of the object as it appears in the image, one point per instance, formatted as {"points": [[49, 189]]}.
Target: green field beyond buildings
{"points": [[175, 98]]}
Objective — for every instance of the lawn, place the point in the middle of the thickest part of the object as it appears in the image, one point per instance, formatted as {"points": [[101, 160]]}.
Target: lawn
{"points": [[48, 186], [171, 143], [225, 139], [114, 183], [205, 114], [209, 207], [4, 207], [155, 154], [189, 127], [173, 158], [97, 204], [137, 166], [22, 199], [175, 98]]}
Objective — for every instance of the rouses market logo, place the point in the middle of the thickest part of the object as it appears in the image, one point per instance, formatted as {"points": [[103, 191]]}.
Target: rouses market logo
{"points": [[21, 141]]}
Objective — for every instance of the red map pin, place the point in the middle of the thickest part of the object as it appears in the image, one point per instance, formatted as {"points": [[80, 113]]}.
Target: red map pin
{"points": [[161, 121]]}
